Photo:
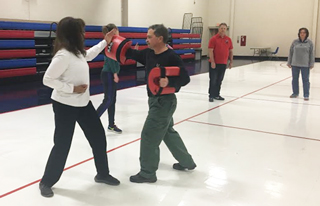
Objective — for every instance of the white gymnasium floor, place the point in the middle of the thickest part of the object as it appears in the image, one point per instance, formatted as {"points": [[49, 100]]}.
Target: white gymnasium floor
{"points": [[257, 148]]}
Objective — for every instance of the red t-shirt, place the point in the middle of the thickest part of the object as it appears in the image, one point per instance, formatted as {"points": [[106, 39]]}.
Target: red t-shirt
{"points": [[221, 47]]}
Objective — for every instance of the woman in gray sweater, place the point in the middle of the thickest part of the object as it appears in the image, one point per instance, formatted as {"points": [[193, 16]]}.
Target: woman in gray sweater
{"points": [[301, 58]]}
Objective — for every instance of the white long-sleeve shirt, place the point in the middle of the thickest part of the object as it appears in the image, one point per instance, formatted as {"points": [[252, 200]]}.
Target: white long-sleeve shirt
{"points": [[68, 70]]}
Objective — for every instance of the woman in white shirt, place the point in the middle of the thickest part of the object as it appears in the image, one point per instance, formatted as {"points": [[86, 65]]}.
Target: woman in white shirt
{"points": [[68, 75]]}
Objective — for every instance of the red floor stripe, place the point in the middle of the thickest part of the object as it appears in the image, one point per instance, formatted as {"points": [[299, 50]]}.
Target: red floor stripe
{"points": [[254, 130]]}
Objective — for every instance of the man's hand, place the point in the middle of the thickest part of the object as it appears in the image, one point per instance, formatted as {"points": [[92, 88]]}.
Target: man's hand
{"points": [[289, 65], [230, 65], [80, 89], [213, 65], [163, 82], [136, 47]]}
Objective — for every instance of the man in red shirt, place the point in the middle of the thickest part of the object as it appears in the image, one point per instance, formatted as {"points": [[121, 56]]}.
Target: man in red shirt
{"points": [[220, 50]]}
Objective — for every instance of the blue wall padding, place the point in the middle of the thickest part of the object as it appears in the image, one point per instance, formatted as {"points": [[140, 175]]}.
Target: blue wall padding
{"points": [[184, 51], [91, 42], [133, 29], [94, 28], [139, 41], [15, 63], [26, 26], [182, 41], [99, 58], [180, 31], [10, 44]]}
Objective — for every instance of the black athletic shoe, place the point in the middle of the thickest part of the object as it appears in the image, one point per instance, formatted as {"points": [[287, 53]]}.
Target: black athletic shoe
{"points": [[210, 99], [178, 166], [106, 179], [45, 190], [218, 98], [115, 129], [139, 179]]}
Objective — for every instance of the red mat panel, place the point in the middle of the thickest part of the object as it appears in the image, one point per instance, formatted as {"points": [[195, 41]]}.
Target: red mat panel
{"points": [[14, 34], [17, 72], [6, 54]]}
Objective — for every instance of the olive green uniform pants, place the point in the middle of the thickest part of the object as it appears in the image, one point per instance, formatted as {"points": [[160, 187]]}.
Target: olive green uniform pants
{"points": [[157, 127]]}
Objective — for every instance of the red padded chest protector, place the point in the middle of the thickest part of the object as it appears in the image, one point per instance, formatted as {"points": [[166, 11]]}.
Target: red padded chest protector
{"points": [[161, 72]]}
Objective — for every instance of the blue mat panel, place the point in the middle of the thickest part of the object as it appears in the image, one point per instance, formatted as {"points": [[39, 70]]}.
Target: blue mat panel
{"points": [[16, 63], [11, 44], [133, 29], [184, 51], [180, 30], [26, 26], [182, 41], [91, 42], [99, 58], [139, 41], [93, 28]]}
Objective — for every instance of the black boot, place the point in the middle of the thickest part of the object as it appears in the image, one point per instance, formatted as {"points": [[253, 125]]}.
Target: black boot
{"points": [[46, 191], [178, 166], [139, 179]]}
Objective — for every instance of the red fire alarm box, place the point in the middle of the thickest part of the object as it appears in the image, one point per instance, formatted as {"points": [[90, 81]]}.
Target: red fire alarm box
{"points": [[243, 40]]}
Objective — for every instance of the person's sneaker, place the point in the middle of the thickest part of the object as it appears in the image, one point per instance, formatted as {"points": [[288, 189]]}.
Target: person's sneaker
{"points": [[293, 96], [45, 190], [218, 98], [115, 129], [139, 179], [106, 179], [210, 99], [178, 166], [306, 98]]}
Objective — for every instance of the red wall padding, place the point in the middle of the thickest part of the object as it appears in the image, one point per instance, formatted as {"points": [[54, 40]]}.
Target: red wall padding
{"points": [[11, 34], [134, 35], [93, 35], [93, 65], [176, 36], [187, 56], [17, 72], [6, 54]]}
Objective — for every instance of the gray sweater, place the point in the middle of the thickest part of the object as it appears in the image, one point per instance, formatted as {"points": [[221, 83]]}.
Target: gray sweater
{"points": [[301, 53]]}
